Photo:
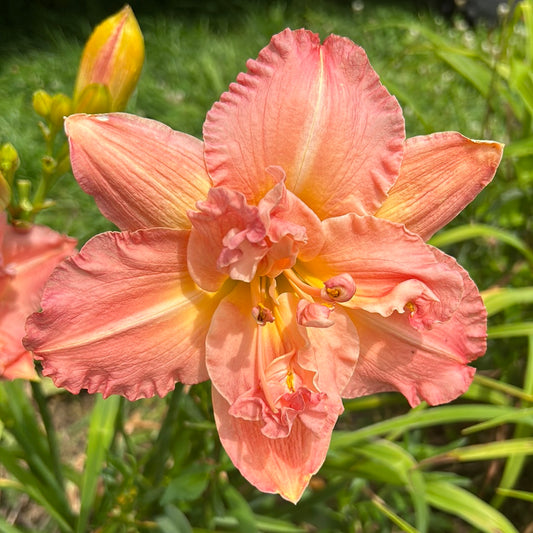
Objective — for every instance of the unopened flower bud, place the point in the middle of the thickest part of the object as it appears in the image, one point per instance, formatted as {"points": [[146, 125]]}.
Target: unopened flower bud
{"points": [[9, 162], [5, 193], [95, 98], [60, 107], [311, 314], [339, 288], [42, 103], [113, 57]]}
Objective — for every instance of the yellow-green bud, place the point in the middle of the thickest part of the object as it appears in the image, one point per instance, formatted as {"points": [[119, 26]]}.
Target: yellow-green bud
{"points": [[5, 193], [113, 57], [42, 103], [9, 162], [60, 107]]}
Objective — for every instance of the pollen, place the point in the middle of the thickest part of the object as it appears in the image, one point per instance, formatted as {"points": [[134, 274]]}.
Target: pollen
{"points": [[290, 380], [334, 292], [410, 307]]}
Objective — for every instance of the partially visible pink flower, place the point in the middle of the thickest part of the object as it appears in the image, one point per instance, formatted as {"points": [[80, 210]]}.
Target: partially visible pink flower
{"points": [[283, 258], [27, 258]]}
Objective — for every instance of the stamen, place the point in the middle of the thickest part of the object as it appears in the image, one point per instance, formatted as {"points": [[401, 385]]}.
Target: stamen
{"points": [[339, 288], [290, 380], [301, 287], [262, 314]]}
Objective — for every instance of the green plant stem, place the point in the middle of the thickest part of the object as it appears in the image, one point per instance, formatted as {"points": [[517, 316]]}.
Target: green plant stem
{"points": [[51, 435]]}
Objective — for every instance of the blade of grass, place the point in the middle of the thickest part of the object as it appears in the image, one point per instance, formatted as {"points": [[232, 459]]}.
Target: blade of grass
{"points": [[499, 298], [518, 329], [383, 508], [36, 490], [511, 390], [483, 452], [20, 420], [463, 233], [515, 464], [447, 414], [518, 494], [462, 503], [101, 432], [522, 415]]}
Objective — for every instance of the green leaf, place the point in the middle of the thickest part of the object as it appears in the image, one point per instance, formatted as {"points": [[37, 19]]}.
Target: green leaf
{"points": [[484, 452], [509, 390], [518, 494], [392, 516], [462, 503], [524, 416], [465, 62], [447, 414], [500, 298], [518, 329], [188, 485], [101, 432], [173, 521], [519, 148], [34, 488], [463, 233], [239, 508]]}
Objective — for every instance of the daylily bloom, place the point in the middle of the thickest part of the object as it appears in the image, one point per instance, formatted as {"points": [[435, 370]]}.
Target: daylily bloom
{"points": [[110, 65], [27, 257], [283, 258]]}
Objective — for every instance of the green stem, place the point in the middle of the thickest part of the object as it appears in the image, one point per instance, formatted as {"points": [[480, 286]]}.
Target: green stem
{"points": [[51, 434]]}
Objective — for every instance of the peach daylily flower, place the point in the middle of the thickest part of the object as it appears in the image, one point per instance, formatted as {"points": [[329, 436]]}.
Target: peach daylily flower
{"points": [[27, 258], [283, 258]]}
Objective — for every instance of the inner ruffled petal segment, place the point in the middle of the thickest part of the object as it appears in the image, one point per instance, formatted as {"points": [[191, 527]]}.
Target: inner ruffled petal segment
{"points": [[393, 269], [124, 317], [232, 238], [283, 466], [440, 175], [276, 387], [319, 112], [428, 365], [141, 173]]}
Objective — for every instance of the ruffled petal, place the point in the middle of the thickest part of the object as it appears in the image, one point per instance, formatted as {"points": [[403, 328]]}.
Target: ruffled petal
{"points": [[425, 365], [230, 238], [276, 388], [142, 173], [440, 175], [233, 338], [282, 466], [317, 111], [393, 269], [123, 317], [28, 259]]}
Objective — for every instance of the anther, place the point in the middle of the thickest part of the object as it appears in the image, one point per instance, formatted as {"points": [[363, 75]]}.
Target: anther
{"points": [[339, 288], [262, 314]]}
